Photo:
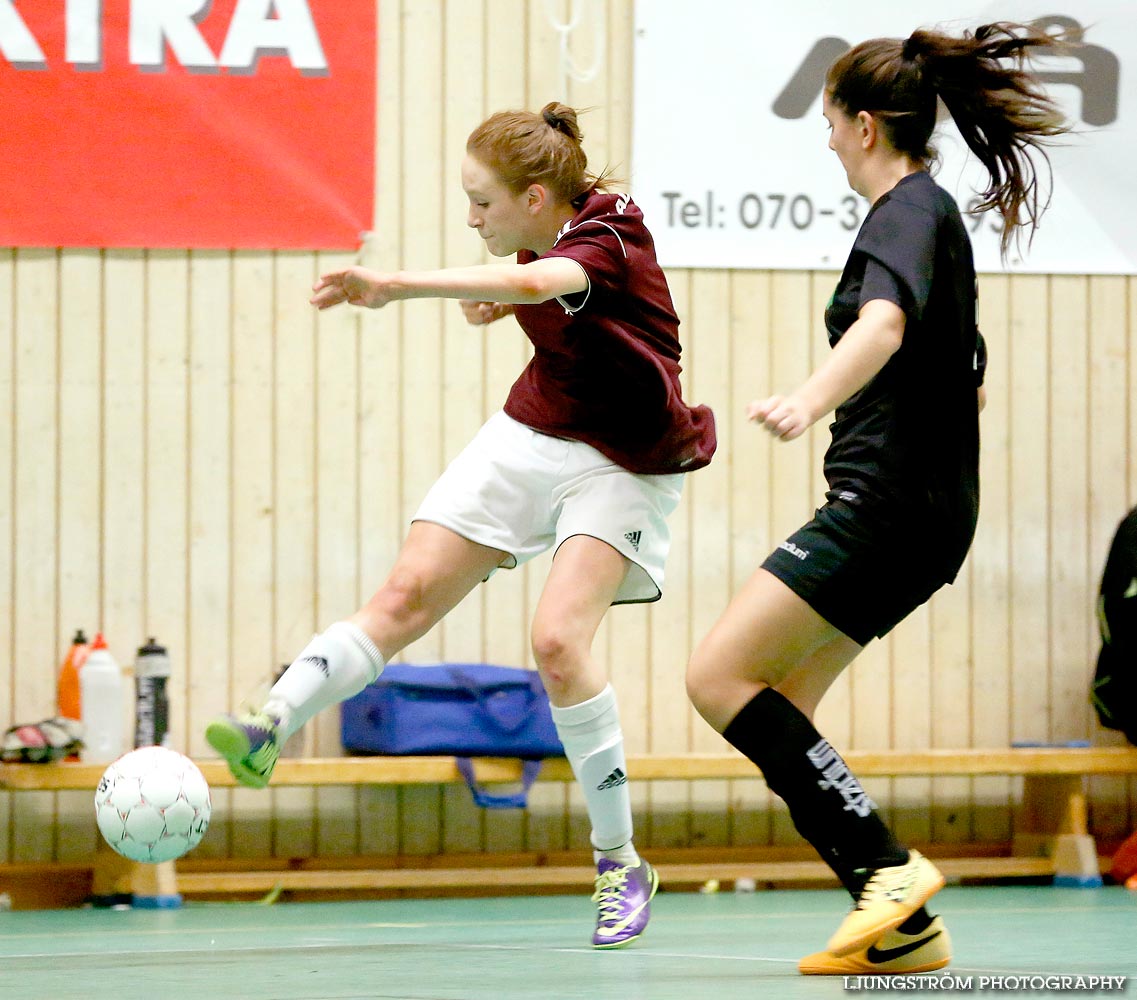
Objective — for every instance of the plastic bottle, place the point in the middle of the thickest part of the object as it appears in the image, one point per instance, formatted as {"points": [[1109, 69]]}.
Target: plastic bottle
{"points": [[151, 703], [68, 700], [102, 689]]}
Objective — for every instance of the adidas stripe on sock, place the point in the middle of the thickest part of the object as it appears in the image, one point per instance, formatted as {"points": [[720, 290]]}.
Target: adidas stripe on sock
{"points": [[614, 780], [337, 663]]}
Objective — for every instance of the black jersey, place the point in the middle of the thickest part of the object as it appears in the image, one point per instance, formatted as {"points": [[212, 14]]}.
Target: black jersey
{"points": [[906, 446]]}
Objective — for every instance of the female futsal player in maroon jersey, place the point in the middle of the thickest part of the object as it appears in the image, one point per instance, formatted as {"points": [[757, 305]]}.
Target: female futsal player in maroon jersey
{"points": [[587, 456]]}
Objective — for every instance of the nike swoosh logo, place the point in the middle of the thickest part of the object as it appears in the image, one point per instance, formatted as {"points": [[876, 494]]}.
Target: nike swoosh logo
{"points": [[626, 922], [878, 956]]}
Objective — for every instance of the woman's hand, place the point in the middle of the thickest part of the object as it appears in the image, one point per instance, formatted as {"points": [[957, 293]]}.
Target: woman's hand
{"points": [[855, 360], [355, 285], [479, 313], [786, 417]]}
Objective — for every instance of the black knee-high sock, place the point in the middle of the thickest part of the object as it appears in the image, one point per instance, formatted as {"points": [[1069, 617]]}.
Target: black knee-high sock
{"points": [[827, 804]]}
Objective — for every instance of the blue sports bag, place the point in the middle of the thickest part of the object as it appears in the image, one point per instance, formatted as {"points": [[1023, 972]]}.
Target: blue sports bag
{"points": [[455, 709]]}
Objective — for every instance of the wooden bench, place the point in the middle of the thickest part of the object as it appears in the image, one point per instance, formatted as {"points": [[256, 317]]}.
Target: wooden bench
{"points": [[1051, 835]]}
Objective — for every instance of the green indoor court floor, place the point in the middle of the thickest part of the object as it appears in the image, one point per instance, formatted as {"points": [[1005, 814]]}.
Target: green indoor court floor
{"points": [[698, 947]]}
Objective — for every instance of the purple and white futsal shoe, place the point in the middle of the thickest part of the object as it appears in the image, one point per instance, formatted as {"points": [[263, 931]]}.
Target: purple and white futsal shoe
{"points": [[623, 902]]}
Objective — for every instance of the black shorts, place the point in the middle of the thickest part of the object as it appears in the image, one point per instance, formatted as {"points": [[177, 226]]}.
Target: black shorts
{"points": [[861, 571]]}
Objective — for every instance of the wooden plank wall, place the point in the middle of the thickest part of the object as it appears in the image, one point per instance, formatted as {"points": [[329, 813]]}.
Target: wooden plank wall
{"points": [[192, 453]]}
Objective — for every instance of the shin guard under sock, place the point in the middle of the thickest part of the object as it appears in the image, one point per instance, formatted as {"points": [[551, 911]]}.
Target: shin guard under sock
{"points": [[594, 746], [827, 804], [336, 664]]}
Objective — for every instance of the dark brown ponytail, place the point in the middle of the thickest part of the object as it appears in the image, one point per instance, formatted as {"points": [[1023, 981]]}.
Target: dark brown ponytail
{"points": [[998, 106]]}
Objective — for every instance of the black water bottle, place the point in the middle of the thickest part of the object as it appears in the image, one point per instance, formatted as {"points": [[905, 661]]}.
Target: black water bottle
{"points": [[151, 707]]}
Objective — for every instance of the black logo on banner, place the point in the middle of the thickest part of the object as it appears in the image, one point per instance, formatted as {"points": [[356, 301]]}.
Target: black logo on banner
{"points": [[1096, 78]]}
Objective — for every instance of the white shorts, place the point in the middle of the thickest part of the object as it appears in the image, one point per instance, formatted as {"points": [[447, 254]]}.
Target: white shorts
{"points": [[523, 492]]}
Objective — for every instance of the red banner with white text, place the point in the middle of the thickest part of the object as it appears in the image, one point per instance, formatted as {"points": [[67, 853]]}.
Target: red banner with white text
{"points": [[244, 124]]}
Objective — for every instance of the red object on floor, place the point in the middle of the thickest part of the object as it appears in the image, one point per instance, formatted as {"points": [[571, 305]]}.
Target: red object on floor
{"points": [[1124, 866]]}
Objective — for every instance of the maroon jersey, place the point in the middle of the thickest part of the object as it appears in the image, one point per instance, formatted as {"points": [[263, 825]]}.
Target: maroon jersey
{"points": [[605, 368]]}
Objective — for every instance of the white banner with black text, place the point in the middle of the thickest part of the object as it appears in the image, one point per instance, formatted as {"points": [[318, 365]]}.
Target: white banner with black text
{"points": [[730, 160]]}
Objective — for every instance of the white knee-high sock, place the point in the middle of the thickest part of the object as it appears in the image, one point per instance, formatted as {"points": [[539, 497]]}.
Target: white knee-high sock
{"points": [[594, 745], [337, 663]]}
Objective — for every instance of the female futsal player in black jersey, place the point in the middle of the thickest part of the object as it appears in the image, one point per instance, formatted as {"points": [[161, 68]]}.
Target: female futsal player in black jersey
{"points": [[903, 374]]}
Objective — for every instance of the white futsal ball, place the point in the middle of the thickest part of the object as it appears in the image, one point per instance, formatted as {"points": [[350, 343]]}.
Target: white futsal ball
{"points": [[152, 805]]}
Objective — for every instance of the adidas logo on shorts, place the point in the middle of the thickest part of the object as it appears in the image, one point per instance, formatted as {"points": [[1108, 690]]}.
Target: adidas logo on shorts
{"points": [[614, 780], [634, 538]]}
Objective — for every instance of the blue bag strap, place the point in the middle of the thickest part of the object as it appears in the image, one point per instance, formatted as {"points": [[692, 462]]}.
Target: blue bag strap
{"points": [[518, 800]]}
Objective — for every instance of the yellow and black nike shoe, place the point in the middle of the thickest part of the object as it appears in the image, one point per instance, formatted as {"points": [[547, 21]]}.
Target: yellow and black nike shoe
{"points": [[894, 954]]}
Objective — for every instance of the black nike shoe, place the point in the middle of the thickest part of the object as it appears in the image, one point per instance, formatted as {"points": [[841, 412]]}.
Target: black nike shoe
{"points": [[894, 954]]}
